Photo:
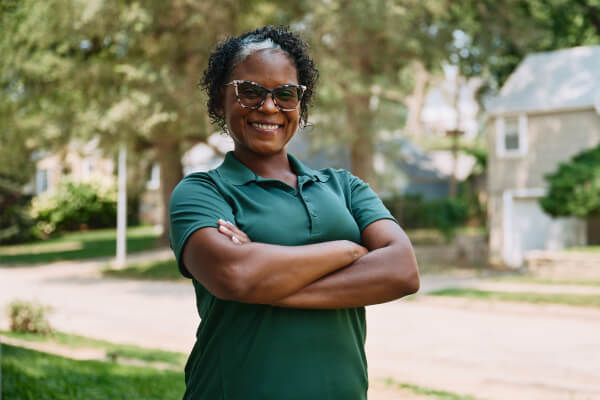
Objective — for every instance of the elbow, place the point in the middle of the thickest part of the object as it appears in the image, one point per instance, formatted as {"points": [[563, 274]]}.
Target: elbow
{"points": [[407, 275], [231, 284]]}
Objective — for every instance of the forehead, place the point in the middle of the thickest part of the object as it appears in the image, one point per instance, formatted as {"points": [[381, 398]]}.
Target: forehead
{"points": [[269, 67]]}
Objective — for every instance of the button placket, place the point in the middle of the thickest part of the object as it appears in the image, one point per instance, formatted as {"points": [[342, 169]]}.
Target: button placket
{"points": [[310, 209]]}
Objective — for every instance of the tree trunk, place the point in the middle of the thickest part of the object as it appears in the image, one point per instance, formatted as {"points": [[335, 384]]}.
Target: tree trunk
{"points": [[362, 147], [416, 100], [171, 172]]}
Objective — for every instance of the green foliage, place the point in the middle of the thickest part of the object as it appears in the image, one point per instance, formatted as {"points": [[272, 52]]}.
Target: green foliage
{"points": [[413, 212], [29, 317], [31, 375], [575, 186], [77, 246], [76, 205], [15, 224]]}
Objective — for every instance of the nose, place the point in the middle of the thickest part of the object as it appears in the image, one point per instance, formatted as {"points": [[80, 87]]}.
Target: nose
{"points": [[268, 105]]}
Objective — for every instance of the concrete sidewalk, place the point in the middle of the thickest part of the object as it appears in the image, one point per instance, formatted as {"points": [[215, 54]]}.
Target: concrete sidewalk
{"points": [[488, 350]]}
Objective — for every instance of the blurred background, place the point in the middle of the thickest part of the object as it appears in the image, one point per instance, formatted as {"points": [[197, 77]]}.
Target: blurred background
{"points": [[477, 122]]}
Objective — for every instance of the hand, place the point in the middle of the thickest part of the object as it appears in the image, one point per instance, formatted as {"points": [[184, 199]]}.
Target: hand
{"points": [[233, 232]]}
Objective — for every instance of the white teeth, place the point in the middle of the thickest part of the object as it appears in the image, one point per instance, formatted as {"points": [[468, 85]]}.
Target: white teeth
{"points": [[268, 127]]}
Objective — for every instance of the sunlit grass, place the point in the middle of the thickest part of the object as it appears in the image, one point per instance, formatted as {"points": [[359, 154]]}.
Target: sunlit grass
{"points": [[33, 375], [114, 349], [580, 300], [528, 279], [77, 245], [157, 270], [430, 393], [585, 249]]}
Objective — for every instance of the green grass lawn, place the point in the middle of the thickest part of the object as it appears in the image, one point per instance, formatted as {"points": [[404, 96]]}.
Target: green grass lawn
{"points": [[591, 249], [120, 350], [77, 245], [32, 375], [543, 281], [579, 300], [158, 270], [430, 393]]}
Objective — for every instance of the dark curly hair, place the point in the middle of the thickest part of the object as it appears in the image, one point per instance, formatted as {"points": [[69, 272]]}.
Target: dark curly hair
{"points": [[223, 59]]}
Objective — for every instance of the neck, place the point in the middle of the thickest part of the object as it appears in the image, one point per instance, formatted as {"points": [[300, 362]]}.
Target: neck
{"points": [[273, 166]]}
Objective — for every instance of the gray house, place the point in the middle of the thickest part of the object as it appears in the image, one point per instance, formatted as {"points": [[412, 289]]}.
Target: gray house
{"points": [[547, 112]]}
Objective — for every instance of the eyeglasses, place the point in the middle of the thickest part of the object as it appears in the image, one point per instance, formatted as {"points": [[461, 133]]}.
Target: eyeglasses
{"points": [[252, 95]]}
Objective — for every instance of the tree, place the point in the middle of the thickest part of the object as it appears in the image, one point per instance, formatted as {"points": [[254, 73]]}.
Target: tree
{"points": [[575, 187], [373, 56], [121, 71]]}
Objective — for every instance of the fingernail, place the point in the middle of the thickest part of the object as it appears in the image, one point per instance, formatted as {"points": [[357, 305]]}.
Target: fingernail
{"points": [[229, 223], [235, 240]]}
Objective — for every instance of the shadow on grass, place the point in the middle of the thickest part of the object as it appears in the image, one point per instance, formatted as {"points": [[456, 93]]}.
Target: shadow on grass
{"points": [[32, 375], [77, 246]]}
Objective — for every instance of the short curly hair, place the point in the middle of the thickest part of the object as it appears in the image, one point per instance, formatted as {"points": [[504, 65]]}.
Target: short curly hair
{"points": [[227, 54]]}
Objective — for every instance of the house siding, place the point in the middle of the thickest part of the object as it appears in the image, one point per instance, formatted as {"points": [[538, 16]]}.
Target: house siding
{"points": [[552, 138]]}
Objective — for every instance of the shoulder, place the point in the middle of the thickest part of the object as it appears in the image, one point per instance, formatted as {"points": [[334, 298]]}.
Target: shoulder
{"points": [[343, 177], [197, 186]]}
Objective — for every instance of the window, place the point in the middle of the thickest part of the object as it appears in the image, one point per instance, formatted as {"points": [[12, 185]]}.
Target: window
{"points": [[41, 181], [154, 182], [511, 136], [87, 167]]}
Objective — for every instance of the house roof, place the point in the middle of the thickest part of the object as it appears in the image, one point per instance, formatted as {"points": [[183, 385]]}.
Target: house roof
{"points": [[556, 80]]}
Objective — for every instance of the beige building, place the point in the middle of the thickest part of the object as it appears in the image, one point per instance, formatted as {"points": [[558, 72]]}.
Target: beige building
{"points": [[547, 112], [78, 161]]}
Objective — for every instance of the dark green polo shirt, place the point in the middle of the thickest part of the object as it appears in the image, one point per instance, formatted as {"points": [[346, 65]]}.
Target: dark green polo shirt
{"points": [[261, 352]]}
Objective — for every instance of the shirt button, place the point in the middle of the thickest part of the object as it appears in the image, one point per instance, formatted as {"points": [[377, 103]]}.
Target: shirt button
{"points": [[314, 214], [307, 200]]}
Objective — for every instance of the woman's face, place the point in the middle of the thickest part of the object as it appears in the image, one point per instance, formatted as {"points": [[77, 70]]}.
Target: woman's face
{"points": [[266, 130]]}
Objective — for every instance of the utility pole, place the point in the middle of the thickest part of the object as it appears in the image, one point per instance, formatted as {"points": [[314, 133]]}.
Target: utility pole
{"points": [[121, 259]]}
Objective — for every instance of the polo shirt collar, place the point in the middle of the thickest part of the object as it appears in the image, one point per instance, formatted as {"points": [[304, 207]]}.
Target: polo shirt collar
{"points": [[234, 171]]}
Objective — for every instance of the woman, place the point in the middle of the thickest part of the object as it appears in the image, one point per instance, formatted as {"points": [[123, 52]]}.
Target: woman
{"points": [[283, 258]]}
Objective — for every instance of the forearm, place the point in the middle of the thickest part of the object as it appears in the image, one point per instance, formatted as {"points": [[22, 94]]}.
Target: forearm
{"points": [[259, 272], [271, 272], [382, 275]]}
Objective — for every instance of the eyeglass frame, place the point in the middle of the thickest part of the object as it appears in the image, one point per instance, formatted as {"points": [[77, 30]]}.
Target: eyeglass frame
{"points": [[236, 82]]}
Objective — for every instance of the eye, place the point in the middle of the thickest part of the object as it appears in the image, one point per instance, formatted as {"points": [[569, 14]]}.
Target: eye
{"points": [[287, 94], [250, 91]]}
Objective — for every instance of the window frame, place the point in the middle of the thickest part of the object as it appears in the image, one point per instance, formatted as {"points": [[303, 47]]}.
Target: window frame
{"points": [[501, 150]]}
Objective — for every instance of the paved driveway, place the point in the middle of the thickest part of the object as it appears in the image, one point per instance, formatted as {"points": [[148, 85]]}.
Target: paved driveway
{"points": [[492, 351]]}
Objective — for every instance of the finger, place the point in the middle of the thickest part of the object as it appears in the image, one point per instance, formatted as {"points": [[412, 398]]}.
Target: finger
{"points": [[226, 231], [235, 229], [235, 240]]}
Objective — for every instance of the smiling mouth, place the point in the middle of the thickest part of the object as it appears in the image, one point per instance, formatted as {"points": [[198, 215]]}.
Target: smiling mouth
{"points": [[263, 126]]}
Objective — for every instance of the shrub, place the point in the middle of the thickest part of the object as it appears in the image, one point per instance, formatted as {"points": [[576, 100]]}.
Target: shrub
{"points": [[15, 224], [76, 205], [445, 214], [29, 317], [575, 187]]}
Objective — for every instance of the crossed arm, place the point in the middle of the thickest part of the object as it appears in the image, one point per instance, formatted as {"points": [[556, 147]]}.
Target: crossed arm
{"points": [[336, 274]]}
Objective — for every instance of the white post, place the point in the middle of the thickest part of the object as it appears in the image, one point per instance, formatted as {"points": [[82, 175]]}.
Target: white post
{"points": [[121, 261]]}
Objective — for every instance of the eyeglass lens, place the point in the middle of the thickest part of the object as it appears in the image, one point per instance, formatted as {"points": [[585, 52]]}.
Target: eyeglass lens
{"points": [[253, 95]]}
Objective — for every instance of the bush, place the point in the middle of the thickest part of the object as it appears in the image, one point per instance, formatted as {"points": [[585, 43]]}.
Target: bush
{"points": [[15, 224], [76, 205], [445, 215], [29, 317], [575, 187]]}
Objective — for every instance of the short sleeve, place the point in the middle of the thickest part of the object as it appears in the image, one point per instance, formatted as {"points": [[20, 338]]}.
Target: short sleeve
{"points": [[365, 205], [195, 203]]}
